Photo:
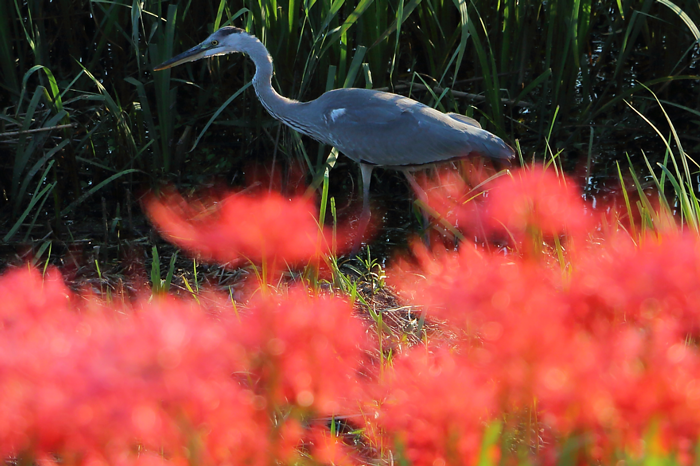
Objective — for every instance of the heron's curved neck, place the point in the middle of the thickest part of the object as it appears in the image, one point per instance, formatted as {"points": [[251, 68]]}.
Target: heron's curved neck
{"points": [[279, 106]]}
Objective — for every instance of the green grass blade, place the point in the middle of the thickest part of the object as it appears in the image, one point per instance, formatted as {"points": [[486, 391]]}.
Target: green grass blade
{"points": [[683, 16], [630, 215], [490, 440], [684, 202], [24, 152], [218, 112], [96, 188], [659, 183], [37, 166], [171, 271], [35, 199], [533, 84], [156, 283], [355, 66], [146, 109]]}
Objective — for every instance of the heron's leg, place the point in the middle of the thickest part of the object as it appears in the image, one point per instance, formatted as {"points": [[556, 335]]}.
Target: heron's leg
{"points": [[366, 170]]}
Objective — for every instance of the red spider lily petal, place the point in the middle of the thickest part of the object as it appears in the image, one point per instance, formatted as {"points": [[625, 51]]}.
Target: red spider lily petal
{"points": [[290, 439], [263, 227], [437, 408], [29, 299], [539, 199], [451, 199], [304, 350], [529, 201], [634, 383], [446, 195], [142, 459], [326, 448]]}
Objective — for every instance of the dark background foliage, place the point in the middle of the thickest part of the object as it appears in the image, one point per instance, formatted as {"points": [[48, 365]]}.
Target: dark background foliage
{"points": [[552, 77]]}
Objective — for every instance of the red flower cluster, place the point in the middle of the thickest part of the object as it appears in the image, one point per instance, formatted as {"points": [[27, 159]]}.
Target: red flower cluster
{"points": [[526, 205], [263, 228], [303, 351], [640, 285], [537, 200], [606, 349], [94, 383], [603, 349], [436, 408]]}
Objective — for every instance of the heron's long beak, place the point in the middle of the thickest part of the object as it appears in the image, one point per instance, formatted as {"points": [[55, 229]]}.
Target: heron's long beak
{"points": [[193, 54]]}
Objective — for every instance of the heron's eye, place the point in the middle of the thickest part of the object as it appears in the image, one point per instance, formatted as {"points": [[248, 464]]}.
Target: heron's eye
{"points": [[215, 43]]}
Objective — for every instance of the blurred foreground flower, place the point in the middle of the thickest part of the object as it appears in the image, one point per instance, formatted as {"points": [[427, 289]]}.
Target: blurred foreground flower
{"points": [[607, 350], [265, 228], [91, 381], [597, 358], [537, 200], [326, 448], [640, 284], [304, 351], [436, 409], [526, 205]]}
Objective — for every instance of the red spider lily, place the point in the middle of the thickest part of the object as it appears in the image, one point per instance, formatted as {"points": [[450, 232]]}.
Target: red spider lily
{"points": [[621, 388], [326, 448], [602, 352], [303, 351], [530, 204], [622, 282], [436, 408], [606, 351], [264, 228], [537, 199], [512, 309], [28, 300], [93, 382], [451, 199]]}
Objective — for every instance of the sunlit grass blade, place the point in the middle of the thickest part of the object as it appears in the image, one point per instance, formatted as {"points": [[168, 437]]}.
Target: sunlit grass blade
{"points": [[685, 194], [649, 218], [488, 455], [630, 214], [159, 285], [189, 288], [156, 286], [683, 16]]}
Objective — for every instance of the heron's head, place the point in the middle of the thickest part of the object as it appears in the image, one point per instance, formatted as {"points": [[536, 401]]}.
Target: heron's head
{"points": [[226, 40]]}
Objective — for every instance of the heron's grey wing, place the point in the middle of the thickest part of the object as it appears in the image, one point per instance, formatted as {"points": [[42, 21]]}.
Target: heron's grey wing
{"points": [[464, 119], [386, 129]]}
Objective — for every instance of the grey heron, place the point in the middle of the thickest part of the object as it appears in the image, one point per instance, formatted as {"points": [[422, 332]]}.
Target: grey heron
{"points": [[373, 128]]}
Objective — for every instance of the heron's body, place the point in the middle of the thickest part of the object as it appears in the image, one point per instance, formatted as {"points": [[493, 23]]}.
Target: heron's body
{"points": [[411, 133], [371, 127]]}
